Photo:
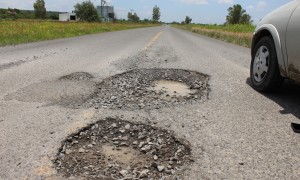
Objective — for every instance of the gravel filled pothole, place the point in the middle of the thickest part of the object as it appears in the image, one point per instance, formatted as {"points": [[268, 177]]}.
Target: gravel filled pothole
{"points": [[150, 89], [117, 149], [77, 76]]}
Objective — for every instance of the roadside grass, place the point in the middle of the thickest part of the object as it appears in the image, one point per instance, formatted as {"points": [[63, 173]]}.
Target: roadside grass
{"points": [[240, 34], [25, 31]]}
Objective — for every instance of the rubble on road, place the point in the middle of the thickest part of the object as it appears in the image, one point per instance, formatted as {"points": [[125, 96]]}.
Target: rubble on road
{"points": [[136, 89], [117, 149]]}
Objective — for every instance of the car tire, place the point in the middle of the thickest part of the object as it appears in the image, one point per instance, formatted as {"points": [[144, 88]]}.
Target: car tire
{"points": [[264, 71]]}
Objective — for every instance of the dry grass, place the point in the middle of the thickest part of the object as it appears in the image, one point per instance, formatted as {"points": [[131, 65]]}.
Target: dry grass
{"points": [[236, 34], [24, 31]]}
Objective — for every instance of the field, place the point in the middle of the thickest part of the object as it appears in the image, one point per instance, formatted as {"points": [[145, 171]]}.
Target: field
{"points": [[24, 31], [240, 34]]}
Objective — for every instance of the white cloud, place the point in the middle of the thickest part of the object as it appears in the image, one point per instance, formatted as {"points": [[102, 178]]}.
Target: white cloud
{"points": [[198, 2], [261, 5], [250, 7], [226, 1]]}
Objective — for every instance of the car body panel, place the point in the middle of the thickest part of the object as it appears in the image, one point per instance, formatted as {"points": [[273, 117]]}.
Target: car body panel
{"points": [[277, 41], [292, 45], [276, 24]]}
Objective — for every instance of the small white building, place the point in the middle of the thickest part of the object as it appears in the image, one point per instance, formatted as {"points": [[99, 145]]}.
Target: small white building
{"points": [[67, 17]]}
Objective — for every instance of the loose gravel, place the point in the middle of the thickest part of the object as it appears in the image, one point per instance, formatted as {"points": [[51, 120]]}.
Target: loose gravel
{"points": [[135, 89], [117, 149], [77, 76]]}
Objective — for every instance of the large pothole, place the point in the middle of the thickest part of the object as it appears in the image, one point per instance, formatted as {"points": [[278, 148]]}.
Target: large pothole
{"points": [[150, 89], [116, 149]]}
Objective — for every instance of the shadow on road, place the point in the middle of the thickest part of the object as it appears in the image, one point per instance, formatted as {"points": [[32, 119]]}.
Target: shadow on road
{"points": [[288, 97]]}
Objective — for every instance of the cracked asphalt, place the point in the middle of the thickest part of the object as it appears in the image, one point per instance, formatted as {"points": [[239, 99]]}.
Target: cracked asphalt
{"points": [[237, 133]]}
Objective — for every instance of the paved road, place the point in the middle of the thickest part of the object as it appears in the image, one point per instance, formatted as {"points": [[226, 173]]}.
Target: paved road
{"points": [[237, 134]]}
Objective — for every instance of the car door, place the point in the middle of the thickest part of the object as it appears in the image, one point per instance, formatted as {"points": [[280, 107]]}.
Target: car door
{"points": [[293, 45]]}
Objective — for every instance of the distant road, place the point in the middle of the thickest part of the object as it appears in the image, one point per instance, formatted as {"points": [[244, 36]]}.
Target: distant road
{"points": [[237, 134]]}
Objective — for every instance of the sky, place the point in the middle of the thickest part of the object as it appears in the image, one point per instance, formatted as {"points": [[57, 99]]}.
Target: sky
{"points": [[201, 11]]}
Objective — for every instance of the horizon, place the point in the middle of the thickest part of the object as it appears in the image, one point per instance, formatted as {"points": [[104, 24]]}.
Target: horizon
{"points": [[201, 11]]}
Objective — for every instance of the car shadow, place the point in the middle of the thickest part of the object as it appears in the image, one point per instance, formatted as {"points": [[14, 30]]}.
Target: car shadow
{"points": [[288, 97]]}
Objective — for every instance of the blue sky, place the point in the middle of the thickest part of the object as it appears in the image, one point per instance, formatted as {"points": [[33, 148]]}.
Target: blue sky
{"points": [[201, 11]]}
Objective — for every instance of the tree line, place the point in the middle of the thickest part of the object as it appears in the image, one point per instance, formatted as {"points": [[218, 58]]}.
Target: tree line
{"points": [[86, 11], [155, 15]]}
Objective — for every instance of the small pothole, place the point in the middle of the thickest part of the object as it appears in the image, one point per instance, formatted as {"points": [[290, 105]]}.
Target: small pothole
{"points": [[77, 76], [150, 89], [117, 149]]}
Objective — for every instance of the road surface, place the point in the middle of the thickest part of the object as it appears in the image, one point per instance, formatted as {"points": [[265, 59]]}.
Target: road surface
{"points": [[237, 134]]}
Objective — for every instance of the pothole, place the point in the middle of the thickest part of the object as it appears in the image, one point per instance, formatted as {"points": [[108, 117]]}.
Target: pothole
{"points": [[172, 88], [66, 93], [69, 91], [78, 76], [116, 149], [150, 89]]}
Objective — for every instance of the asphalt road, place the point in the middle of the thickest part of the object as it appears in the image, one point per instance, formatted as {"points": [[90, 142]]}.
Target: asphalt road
{"points": [[237, 134]]}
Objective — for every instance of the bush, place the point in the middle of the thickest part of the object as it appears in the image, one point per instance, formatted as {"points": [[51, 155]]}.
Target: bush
{"points": [[54, 16], [86, 11]]}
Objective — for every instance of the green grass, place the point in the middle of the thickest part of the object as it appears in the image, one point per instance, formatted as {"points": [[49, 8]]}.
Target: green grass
{"points": [[25, 31], [240, 34]]}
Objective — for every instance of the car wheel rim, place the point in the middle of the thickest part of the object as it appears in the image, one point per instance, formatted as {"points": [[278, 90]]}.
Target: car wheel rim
{"points": [[261, 64]]}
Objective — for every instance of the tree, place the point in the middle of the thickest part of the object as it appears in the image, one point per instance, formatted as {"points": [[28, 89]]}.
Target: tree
{"points": [[187, 20], [18, 11], [39, 9], [136, 18], [86, 11], [246, 19], [174, 22], [237, 15], [133, 17], [129, 16], [54, 16], [156, 14]]}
